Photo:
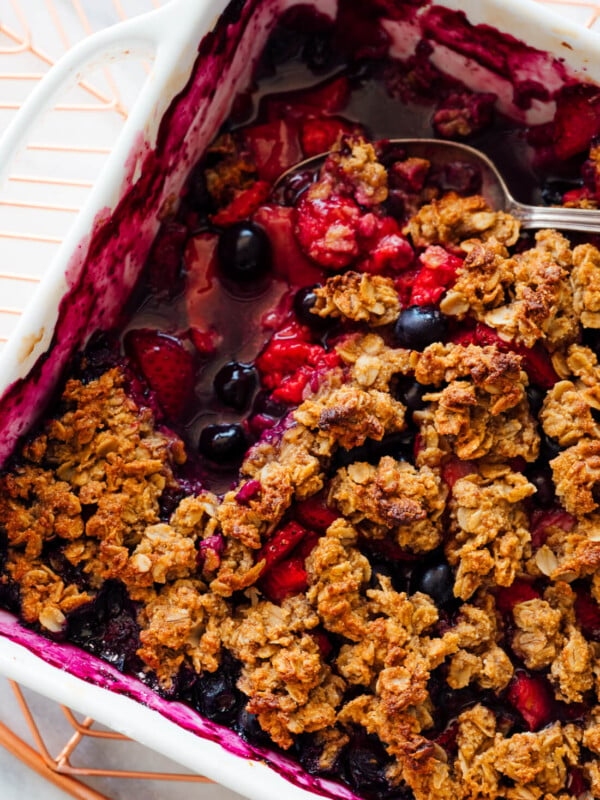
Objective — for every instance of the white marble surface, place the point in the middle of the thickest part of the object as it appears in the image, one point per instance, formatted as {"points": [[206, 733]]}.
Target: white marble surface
{"points": [[18, 781]]}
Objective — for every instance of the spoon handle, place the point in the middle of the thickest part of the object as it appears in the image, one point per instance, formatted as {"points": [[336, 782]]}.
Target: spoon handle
{"points": [[568, 219]]}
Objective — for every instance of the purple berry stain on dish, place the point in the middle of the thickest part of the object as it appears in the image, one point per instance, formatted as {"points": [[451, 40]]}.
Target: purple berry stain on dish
{"points": [[199, 378]]}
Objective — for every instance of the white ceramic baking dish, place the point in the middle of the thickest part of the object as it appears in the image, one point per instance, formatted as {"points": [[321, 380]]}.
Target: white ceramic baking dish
{"points": [[183, 103]]}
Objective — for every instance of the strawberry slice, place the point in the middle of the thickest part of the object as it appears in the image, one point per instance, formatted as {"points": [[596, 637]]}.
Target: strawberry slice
{"points": [[323, 642], [281, 545], [454, 469], [576, 782], [542, 520], [587, 612], [243, 205], [536, 360], [307, 545], [286, 578], [289, 262], [166, 365], [315, 513], [328, 98], [577, 120], [533, 699], [274, 146], [507, 597]]}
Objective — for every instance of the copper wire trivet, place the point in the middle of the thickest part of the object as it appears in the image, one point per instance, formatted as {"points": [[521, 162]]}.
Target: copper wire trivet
{"points": [[29, 191], [58, 768]]}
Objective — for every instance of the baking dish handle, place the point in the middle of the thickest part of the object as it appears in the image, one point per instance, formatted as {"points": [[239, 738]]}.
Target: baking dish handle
{"points": [[159, 34]]}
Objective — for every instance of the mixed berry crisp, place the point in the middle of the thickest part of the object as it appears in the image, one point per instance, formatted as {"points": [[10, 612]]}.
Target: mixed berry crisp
{"points": [[336, 483]]}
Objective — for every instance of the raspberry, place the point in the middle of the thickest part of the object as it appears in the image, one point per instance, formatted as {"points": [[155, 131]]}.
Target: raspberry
{"points": [[438, 274], [206, 342], [404, 285], [216, 545], [327, 230], [290, 363], [409, 174], [385, 247]]}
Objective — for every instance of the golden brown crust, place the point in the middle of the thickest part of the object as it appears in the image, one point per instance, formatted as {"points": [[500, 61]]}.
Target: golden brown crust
{"points": [[360, 297], [392, 498], [350, 650], [453, 219], [490, 536]]}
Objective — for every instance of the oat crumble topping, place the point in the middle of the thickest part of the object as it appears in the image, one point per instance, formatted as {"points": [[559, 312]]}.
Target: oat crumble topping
{"points": [[350, 648]]}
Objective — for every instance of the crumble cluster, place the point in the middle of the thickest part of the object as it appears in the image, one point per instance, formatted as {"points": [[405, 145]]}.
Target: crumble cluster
{"points": [[348, 649]]}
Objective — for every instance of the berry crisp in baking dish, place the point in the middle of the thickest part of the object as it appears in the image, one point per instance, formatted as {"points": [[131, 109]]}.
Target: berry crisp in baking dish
{"points": [[334, 481]]}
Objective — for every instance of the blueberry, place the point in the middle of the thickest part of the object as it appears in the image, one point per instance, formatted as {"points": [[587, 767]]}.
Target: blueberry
{"points": [[410, 392], [343, 457], [535, 396], [379, 570], [265, 403], [294, 186], [591, 338], [234, 384], [249, 729], [223, 443], [367, 764], [419, 326], [549, 448], [541, 478], [438, 582], [107, 626], [553, 191], [244, 253], [218, 698], [398, 445], [304, 301], [309, 751]]}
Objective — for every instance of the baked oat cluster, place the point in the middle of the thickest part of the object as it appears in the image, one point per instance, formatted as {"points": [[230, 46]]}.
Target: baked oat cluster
{"points": [[409, 559]]}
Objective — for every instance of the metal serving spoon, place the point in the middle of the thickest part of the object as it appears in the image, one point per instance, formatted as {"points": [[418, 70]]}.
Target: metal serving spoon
{"points": [[493, 187]]}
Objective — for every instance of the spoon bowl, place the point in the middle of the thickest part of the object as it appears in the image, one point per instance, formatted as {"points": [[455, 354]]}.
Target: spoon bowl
{"points": [[493, 187]]}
